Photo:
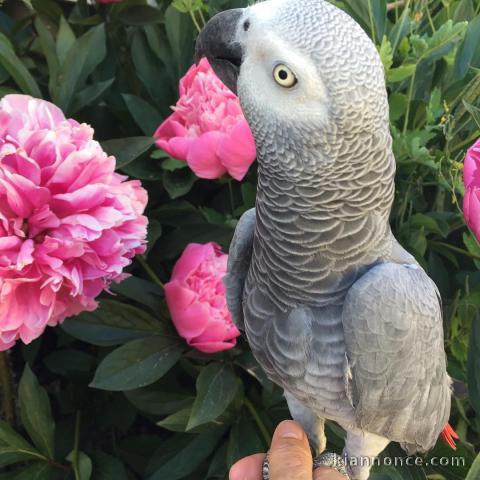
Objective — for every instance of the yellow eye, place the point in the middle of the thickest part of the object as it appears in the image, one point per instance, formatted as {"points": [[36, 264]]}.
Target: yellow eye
{"points": [[284, 76]]}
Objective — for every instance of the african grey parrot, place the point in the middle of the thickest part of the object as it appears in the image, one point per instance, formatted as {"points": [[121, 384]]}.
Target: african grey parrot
{"points": [[335, 310]]}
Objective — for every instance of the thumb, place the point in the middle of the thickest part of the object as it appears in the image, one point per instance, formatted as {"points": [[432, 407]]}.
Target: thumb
{"points": [[290, 457]]}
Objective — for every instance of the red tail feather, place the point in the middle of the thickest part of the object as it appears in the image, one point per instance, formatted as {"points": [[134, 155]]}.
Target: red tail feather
{"points": [[449, 436]]}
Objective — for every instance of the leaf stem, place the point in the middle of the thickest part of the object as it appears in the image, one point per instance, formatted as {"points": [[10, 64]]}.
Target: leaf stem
{"points": [[261, 426], [410, 98], [232, 200], [430, 19], [466, 142], [76, 444], [195, 22], [6, 388], [372, 23], [456, 249], [404, 16], [395, 5], [149, 271], [202, 17]]}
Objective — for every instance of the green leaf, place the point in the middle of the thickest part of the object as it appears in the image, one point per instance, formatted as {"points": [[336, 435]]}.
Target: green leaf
{"points": [[398, 105], [473, 367], [82, 58], [216, 388], [179, 457], [141, 291], [48, 47], [154, 232], [151, 72], [68, 361], [137, 364], [400, 29], [435, 107], [65, 40], [35, 471], [472, 246], [401, 73], [218, 464], [178, 182], [126, 150], [474, 112], [171, 164], [147, 117], [84, 463], [36, 413], [155, 401], [442, 41], [379, 13], [248, 362], [14, 448], [90, 95], [113, 323], [244, 439], [186, 6], [474, 472], [15, 67], [386, 53], [467, 49], [139, 15], [48, 8], [172, 244], [106, 467], [176, 422], [144, 168], [180, 37]]}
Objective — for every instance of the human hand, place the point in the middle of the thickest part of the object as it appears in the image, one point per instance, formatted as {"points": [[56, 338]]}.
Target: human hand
{"points": [[289, 458]]}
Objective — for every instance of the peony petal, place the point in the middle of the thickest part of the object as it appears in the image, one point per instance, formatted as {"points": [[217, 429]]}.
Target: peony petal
{"points": [[189, 317], [471, 171], [237, 151], [472, 210], [193, 255], [214, 347], [202, 156]]}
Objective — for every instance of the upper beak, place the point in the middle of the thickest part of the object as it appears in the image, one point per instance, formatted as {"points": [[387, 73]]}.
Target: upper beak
{"points": [[217, 41]]}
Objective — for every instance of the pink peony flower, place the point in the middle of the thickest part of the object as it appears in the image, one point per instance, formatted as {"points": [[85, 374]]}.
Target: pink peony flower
{"points": [[471, 201], [68, 223], [196, 298], [208, 129]]}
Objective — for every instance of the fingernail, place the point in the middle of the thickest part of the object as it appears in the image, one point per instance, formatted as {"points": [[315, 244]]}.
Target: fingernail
{"points": [[290, 430]]}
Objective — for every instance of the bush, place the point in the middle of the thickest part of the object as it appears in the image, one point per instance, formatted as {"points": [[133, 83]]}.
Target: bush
{"points": [[115, 393]]}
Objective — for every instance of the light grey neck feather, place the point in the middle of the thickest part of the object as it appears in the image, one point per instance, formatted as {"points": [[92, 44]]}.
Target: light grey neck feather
{"points": [[324, 191]]}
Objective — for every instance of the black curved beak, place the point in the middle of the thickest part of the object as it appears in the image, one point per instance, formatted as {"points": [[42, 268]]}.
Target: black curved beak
{"points": [[217, 42]]}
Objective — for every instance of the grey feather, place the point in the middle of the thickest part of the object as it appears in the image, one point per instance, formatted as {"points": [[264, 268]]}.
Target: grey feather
{"points": [[239, 259], [394, 338]]}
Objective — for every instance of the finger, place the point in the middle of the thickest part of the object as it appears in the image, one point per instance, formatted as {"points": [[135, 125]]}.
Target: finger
{"points": [[290, 456], [249, 468], [325, 473]]}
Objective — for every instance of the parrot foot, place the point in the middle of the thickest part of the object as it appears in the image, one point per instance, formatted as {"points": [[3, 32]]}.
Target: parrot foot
{"points": [[331, 460]]}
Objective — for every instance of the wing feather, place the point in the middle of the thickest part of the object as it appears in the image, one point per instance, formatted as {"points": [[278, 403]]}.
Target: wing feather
{"points": [[239, 260], [394, 338]]}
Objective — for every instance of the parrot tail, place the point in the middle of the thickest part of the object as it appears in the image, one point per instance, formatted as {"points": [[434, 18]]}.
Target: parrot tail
{"points": [[449, 436]]}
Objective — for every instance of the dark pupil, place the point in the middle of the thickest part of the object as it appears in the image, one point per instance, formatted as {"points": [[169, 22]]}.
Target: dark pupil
{"points": [[283, 74]]}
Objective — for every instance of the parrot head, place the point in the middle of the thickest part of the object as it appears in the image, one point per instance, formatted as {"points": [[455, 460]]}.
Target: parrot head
{"points": [[306, 74]]}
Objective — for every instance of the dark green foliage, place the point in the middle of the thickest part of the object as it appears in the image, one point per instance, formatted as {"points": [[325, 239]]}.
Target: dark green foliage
{"points": [[115, 394]]}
